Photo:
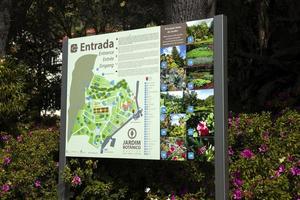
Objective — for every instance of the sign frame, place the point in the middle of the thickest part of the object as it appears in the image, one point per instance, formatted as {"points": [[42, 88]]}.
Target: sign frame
{"points": [[221, 108]]}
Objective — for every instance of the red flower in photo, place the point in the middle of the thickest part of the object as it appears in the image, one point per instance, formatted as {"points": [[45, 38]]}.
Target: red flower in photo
{"points": [[202, 129]]}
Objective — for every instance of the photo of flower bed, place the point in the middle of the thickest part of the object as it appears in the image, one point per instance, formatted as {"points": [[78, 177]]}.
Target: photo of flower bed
{"points": [[200, 122], [173, 148], [200, 149], [172, 71], [200, 43], [198, 79]]}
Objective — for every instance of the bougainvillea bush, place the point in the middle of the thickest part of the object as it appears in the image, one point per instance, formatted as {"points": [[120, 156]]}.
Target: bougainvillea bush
{"points": [[263, 156], [28, 165]]}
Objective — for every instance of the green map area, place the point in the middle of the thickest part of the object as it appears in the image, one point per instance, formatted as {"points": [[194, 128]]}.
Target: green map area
{"points": [[108, 106]]}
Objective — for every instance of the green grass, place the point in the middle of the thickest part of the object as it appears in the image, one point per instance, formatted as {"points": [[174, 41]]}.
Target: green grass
{"points": [[208, 41], [199, 52]]}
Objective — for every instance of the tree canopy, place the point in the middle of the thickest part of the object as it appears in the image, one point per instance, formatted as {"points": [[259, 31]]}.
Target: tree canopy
{"points": [[263, 43]]}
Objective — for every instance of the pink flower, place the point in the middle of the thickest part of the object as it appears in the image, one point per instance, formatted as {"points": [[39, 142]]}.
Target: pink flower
{"points": [[237, 182], [76, 180], [229, 122], [175, 158], [247, 153], [19, 138], [277, 174], [230, 151], [4, 138], [295, 171], [201, 150], [5, 188], [263, 148], [202, 129], [6, 160], [37, 184], [237, 194], [290, 158], [173, 197], [281, 169], [30, 133], [172, 149], [179, 142]]}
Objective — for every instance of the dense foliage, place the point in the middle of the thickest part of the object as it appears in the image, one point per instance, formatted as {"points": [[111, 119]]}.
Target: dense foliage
{"points": [[263, 45], [38, 27], [29, 165], [13, 98], [264, 156], [263, 54], [263, 153]]}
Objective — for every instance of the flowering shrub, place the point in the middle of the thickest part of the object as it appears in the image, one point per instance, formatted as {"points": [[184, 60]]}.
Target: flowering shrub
{"points": [[28, 165], [264, 164], [264, 156]]}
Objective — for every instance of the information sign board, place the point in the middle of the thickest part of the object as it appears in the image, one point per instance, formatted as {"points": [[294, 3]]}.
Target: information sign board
{"points": [[156, 93], [142, 94]]}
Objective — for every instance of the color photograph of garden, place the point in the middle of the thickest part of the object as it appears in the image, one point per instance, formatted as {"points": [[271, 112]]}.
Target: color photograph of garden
{"points": [[200, 149], [200, 43], [172, 61], [173, 148], [197, 78]]}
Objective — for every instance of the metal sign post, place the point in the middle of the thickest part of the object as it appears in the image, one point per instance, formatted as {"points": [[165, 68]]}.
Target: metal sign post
{"points": [[62, 186], [221, 106]]}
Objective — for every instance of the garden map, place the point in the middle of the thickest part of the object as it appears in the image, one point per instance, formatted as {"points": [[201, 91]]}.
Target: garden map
{"points": [[95, 119]]}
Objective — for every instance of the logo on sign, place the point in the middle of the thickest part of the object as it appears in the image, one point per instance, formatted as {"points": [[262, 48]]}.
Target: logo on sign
{"points": [[132, 144], [132, 133], [74, 48]]}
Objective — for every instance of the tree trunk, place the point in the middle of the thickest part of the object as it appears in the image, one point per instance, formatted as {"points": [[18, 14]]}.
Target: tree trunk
{"points": [[4, 24], [177, 11]]}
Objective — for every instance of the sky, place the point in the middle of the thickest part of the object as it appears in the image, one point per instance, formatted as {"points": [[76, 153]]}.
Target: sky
{"points": [[208, 22], [203, 94], [168, 50], [178, 94], [175, 119]]}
